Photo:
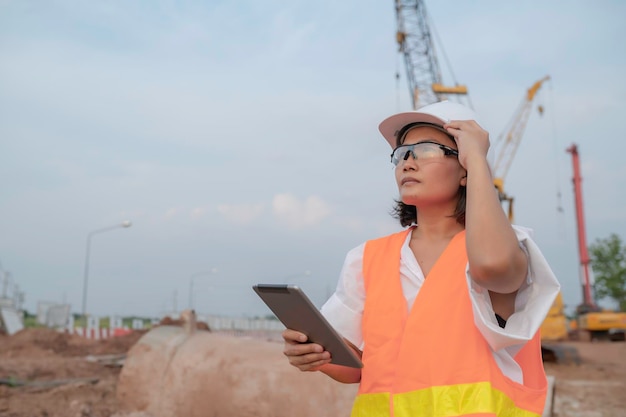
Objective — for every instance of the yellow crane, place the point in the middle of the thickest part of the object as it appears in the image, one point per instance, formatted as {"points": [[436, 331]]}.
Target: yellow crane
{"points": [[554, 326], [509, 141]]}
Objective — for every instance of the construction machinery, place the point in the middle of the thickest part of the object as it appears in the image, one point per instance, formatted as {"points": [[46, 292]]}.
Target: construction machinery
{"points": [[592, 322], [415, 42], [555, 326], [426, 86], [509, 141], [424, 79]]}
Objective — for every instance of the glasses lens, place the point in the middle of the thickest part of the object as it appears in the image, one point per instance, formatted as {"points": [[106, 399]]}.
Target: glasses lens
{"points": [[420, 151]]}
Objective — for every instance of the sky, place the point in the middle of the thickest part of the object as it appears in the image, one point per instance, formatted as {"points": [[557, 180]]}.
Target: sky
{"points": [[240, 139]]}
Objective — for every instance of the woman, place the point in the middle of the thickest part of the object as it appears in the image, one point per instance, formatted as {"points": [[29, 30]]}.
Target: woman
{"points": [[445, 313]]}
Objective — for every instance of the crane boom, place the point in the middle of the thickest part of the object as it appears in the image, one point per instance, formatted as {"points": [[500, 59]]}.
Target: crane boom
{"points": [[514, 133], [416, 44], [510, 139]]}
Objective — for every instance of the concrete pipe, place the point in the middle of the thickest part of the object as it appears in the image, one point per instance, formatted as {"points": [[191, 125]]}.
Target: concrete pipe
{"points": [[177, 371]]}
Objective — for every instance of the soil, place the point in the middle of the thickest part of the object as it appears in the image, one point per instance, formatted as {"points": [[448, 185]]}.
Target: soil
{"points": [[44, 373], [596, 386]]}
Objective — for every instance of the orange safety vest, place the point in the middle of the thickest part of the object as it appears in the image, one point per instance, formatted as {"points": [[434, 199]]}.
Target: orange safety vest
{"points": [[433, 361]]}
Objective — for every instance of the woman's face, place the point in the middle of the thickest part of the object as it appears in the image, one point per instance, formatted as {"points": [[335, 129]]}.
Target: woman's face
{"points": [[434, 178]]}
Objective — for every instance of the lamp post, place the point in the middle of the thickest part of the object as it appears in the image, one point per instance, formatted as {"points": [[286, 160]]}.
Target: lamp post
{"points": [[124, 224], [211, 271]]}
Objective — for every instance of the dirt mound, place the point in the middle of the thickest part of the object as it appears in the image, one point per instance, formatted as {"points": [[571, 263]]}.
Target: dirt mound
{"points": [[168, 321], [47, 373], [38, 341], [45, 342]]}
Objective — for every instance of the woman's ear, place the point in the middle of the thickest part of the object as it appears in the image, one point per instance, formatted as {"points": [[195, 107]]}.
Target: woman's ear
{"points": [[464, 180]]}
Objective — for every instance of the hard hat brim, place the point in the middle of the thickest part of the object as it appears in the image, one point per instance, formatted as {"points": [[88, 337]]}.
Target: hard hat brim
{"points": [[437, 114]]}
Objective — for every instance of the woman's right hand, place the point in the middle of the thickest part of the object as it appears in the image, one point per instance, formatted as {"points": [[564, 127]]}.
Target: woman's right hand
{"points": [[302, 354]]}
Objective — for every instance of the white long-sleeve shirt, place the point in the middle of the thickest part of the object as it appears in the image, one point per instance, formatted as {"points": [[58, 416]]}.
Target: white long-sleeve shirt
{"points": [[344, 309]]}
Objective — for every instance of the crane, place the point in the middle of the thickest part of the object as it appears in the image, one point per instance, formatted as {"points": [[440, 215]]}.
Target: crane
{"points": [[510, 139], [593, 321], [415, 42], [580, 223]]}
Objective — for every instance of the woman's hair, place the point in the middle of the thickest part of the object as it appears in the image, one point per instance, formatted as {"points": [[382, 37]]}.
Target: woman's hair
{"points": [[408, 214]]}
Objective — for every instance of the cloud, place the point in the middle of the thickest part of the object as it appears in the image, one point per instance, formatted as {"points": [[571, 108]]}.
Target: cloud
{"points": [[300, 214], [172, 212], [241, 214], [198, 212]]}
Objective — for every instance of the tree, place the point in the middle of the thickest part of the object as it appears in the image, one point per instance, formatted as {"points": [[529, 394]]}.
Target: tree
{"points": [[608, 260]]}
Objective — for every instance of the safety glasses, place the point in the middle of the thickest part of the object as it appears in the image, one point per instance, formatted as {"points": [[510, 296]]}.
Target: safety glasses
{"points": [[422, 151]]}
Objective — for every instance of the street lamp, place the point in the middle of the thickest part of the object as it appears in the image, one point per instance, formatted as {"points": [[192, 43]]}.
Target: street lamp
{"points": [[211, 271], [124, 224]]}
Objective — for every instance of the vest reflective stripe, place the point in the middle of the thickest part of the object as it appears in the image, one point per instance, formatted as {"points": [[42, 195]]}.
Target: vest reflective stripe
{"points": [[479, 399], [454, 372]]}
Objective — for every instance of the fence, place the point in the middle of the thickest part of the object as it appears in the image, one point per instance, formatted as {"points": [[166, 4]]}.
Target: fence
{"points": [[244, 326], [218, 323], [94, 330], [237, 326]]}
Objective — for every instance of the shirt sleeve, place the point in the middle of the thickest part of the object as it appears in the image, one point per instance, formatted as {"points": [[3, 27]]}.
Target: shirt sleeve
{"points": [[344, 309], [533, 301]]}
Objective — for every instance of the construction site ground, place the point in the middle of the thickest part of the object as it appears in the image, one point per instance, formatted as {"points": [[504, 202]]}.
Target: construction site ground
{"points": [[45, 373]]}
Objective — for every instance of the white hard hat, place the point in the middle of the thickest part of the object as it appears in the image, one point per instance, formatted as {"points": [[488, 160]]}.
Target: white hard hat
{"points": [[437, 114]]}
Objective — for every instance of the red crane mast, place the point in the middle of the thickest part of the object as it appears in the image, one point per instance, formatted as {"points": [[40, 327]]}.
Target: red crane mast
{"points": [[580, 222]]}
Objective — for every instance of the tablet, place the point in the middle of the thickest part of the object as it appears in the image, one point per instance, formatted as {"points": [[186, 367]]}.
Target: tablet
{"points": [[294, 309]]}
